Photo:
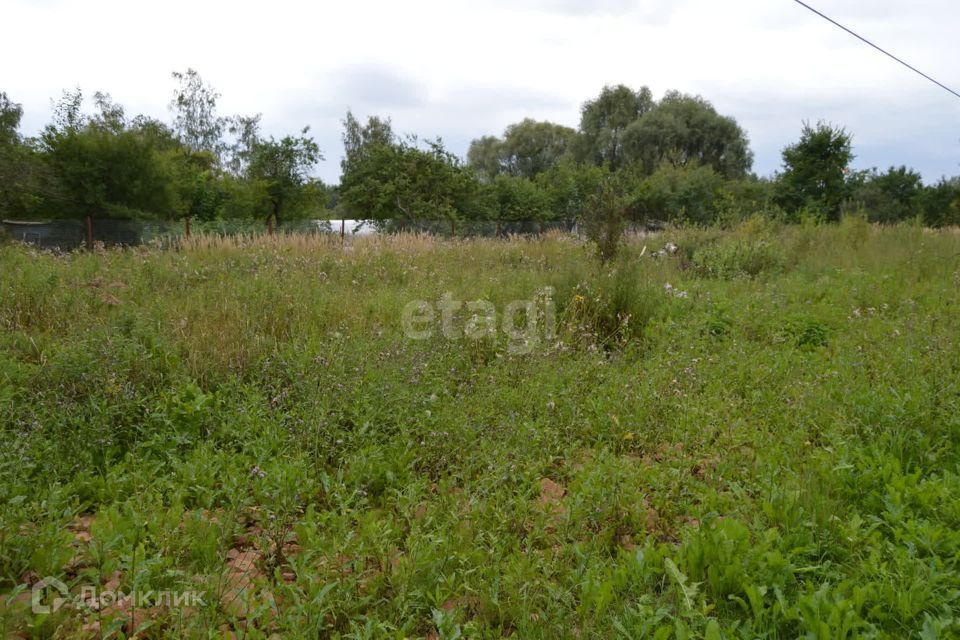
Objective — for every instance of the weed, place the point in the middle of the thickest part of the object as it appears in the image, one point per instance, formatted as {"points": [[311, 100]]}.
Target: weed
{"points": [[772, 454]]}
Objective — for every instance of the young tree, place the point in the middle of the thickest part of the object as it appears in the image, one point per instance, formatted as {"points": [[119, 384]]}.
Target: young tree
{"points": [[385, 178], [605, 218], [103, 167], [940, 203], [815, 171], [888, 197], [199, 191], [283, 168]]}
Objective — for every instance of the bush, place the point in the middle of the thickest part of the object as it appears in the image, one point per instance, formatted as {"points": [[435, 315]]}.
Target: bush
{"points": [[738, 258], [759, 225], [605, 219], [854, 228], [678, 194], [806, 331], [617, 309]]}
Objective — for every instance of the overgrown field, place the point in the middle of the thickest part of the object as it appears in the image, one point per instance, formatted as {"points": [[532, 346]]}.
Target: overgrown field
{"points": [[765, 448]]}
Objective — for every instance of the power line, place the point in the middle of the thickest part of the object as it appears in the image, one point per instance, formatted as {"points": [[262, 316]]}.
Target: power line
{"points": [[883, 51]]}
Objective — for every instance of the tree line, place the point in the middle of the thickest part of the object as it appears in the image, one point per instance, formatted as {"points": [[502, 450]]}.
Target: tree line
{"points": [[675, 159], [201, 165]]}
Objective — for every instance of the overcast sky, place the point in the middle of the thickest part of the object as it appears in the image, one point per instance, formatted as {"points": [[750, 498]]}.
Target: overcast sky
{"points": [[461, 69]]}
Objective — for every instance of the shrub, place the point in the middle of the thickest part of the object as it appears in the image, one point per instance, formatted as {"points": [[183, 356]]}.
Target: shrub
{"points": [[605, 219], [616, 311], [759, 225], [854, 228], [806, 332], [738, 258]]}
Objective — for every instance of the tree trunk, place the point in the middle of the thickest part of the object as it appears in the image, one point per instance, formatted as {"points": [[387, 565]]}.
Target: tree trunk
{"points": [[270, 224], [89, 225], [403, 221], [453, 228], [499, 230]]}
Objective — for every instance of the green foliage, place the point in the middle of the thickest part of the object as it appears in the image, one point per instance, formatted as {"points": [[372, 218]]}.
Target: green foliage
{"points": [[618, 309], [205, 167], [22, 172], [517, 199], [104, 166], [687, 131], [10, 115], [815, 171], [568, 186], [737, 258], [604, 120], [196, 122], [282, 168], [676, 160], [678, 194], [528, 148], [806, 331], [893, 196], [940, 203], [605, 218], [385, 177], [768, 457]]}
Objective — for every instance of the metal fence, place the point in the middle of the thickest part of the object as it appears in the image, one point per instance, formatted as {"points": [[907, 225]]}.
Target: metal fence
{"points": [[71, 234]]}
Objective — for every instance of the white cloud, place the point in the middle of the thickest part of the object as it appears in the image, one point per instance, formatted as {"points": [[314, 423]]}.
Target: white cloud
{"points": [[459, 69]]}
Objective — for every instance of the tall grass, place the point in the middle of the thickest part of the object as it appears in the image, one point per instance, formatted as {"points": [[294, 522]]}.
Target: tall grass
{"points": [[748, 452]]}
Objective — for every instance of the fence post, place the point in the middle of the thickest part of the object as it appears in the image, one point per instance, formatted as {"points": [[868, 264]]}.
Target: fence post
{"points": [[187, 225], [89, 225], [343, 229]]}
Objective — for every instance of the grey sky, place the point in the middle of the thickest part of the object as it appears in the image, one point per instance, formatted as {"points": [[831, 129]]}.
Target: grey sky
{"points": [[460, 69]]}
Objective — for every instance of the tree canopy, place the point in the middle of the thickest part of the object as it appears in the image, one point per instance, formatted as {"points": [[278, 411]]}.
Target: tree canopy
{"points": [[527, 149], [674, 159], [815, 171], [387, 177]]}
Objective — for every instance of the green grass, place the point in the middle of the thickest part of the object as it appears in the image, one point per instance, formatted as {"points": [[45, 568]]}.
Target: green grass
{"points": [[766, 449]]}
